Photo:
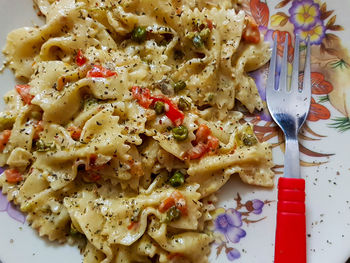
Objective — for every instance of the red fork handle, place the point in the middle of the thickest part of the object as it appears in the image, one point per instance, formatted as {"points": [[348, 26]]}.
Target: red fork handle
{"points": [[290, 243]]}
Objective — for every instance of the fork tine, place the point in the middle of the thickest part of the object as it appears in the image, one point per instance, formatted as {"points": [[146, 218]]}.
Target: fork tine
{"points": [[272, 70], [295, 74], [307, 72], [284, 67]]}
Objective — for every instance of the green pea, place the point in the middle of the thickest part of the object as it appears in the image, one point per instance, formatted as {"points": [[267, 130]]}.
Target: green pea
{"points": [[179, 85], [198, 41], [183, 104], [177, 179], [180, 133], [159, 107], [173, 214], [139, 34], [249, 139], [246, 137]]}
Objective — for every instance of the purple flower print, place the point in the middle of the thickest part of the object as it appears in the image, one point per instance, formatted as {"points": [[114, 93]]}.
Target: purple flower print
{"points": [[229, 224], [255, 206], [12, 211], [316, 33], [304, 14], [233, 254]]}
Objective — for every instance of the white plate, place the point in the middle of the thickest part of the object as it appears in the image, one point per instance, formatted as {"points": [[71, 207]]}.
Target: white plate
{"points": [[327, 184]]}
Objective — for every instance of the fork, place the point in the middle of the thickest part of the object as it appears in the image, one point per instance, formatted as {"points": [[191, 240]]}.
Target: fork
{"points": [[289, 109]]}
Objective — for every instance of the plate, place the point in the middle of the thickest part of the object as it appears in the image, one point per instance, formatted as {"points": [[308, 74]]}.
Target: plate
{"points": [[324, 144]]}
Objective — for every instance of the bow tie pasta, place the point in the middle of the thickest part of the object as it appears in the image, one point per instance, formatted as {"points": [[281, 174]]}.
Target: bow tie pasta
{"points": [[127, 123]]}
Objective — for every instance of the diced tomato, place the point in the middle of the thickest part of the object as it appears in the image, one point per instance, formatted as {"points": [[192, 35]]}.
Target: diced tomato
{"points": [[4, 138], [180, 202], [144, 98], [23, 91], [74, 132], [197, 151], [13, 176], [38, 128], [132, 225], [98, 71], [202, 133], [173, 113], [251, 32], [204, 143], [80, 59], [209, 23], [142, 95], [177, 199], [91, 163], [91, 177], [213, 142], [166, 204]]}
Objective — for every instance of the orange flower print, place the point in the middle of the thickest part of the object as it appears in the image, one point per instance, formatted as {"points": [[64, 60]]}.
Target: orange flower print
{"points": [[281, 37], [319, 86], [318, 112]]}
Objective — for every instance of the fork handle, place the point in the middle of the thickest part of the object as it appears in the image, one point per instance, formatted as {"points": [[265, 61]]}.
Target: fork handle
{"points": [[290, 243]]}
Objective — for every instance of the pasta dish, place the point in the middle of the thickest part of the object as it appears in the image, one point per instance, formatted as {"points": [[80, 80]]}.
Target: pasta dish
{"points": [[124, 125]]}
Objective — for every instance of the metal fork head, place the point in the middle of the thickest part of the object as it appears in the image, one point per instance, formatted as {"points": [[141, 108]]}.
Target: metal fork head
{"points": [[289, 107]]}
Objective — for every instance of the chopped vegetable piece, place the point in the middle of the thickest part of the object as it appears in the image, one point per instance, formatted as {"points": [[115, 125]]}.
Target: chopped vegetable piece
{"points": [[80, 59], [177, 199], [142, 95], [251, 32], [180, 202], [180, 133], [133, 224], [177, 179], [23, 91], [249, 140], [246, 137], [159, 107], [183, 104], [197, 151], [173, 214], [42, 146], [198, 41], [6, 122], [209, 24], [173, 113], [38, 128], [139, 34], [4, 138], [166, 204], [98, 71], [13, 176], [91, 177], [74, 132], [204, 143], [180, 85], [202, 133]]}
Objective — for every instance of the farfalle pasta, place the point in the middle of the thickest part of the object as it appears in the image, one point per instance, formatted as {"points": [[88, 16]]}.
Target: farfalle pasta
{"points": [[126, 126]]}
